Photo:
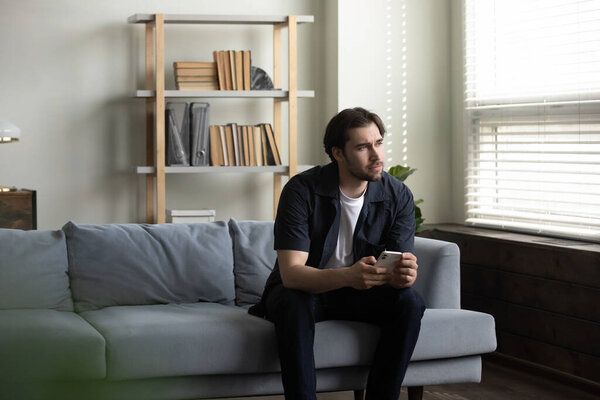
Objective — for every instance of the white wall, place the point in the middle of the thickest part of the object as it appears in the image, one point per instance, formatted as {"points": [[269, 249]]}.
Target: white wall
{"points": [[67, 72], [458, 115], [363, 75], [68, 69]]}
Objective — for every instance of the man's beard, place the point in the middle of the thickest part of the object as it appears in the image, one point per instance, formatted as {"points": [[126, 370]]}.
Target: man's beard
{"points": [[364, 176]]}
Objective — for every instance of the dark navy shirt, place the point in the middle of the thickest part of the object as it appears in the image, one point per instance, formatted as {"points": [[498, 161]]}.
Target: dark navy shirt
{"points": [[308, 218]]}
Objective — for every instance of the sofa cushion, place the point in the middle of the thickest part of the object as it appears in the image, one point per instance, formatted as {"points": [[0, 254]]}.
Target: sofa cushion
{"points": [[203, 338], [127, 264], [33, 270], [183, 339], [49, 345], [254, 258]]}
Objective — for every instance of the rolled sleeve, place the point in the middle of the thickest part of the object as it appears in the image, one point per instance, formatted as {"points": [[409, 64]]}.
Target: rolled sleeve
{"points": [[291, 224]]}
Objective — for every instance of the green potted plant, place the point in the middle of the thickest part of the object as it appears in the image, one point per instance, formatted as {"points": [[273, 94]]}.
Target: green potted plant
{"points": [[401, 173]]}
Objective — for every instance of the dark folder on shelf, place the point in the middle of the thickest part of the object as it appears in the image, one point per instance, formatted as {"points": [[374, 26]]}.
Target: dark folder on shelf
{"points": [[200, 136], [177, 133]]}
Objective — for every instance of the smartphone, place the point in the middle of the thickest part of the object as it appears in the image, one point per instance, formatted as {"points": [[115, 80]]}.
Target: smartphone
{"points": [[388, 259]]}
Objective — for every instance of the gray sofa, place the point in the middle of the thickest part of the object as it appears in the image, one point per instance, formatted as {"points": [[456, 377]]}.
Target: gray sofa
{"points": [[159, 312]]}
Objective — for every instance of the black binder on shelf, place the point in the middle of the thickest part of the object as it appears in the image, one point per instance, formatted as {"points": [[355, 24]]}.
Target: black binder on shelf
{"points": [[200, 136], [177, 119]]}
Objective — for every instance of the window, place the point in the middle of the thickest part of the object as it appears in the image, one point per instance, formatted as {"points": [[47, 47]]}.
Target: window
{"points": [[532, 100]]}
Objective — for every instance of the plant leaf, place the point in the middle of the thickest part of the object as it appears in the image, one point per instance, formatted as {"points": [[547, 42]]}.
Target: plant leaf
{"points": [[400, 172]]}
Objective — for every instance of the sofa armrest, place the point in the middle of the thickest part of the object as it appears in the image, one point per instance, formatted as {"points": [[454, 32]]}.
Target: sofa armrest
{"points": [[438, 280]]}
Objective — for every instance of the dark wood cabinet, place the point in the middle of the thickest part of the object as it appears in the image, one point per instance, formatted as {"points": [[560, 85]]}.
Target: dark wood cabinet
{"points": [[18, 209]]}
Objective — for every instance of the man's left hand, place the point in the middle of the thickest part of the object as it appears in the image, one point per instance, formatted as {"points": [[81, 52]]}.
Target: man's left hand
{"points": [[405, 272]]}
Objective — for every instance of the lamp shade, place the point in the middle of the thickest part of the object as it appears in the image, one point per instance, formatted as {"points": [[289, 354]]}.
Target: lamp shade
{"points": [[9, 132]]}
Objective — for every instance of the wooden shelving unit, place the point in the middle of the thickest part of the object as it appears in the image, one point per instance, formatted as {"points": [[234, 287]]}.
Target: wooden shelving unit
{"points": [[155, 95]]}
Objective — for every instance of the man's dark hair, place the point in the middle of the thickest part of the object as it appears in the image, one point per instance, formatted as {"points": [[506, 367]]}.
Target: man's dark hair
{"points": [[336, 133]]}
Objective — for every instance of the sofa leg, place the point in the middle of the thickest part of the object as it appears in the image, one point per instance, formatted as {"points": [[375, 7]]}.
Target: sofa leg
{"points": [[359, 394], [415, 393]]}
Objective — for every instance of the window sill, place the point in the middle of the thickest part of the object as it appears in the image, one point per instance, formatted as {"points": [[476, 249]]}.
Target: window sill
{"points": [[521, 238]]}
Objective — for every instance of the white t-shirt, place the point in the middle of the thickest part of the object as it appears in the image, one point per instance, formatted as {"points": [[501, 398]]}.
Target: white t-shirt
{"points": [[349, 211]]}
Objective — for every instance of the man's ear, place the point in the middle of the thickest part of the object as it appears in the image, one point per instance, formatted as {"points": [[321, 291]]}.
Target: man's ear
{"points": [[338, 153]]}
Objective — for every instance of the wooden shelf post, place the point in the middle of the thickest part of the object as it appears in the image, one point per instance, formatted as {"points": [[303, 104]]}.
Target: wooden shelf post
{"points": [[149, 61], [160, 119], [293, 94]]}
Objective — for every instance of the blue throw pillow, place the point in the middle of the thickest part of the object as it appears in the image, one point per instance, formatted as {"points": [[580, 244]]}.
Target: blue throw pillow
{"points": [[254, 257], [33, 270], [135, 264]]}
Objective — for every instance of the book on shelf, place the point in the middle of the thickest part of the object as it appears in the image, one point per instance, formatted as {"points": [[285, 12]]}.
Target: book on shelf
{"points": [[247, 69], [243, 145], [220, 69], [272, 150], [230, 146], [194, 64], [224, 151], [196, 75], [216, 154], [177, 133], [236, 144], [197, 86], [233, 69], [257, 137], [239, 68]]}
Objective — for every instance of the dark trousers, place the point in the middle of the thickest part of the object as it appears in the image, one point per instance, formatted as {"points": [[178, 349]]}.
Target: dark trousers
{"points": [[294, 312]]}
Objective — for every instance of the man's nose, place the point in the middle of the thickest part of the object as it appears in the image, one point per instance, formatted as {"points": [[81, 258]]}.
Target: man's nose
{"points": [[374, 153]]}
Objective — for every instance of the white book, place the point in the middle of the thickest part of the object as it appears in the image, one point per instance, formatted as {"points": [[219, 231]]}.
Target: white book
{"points": [[190, 216]]}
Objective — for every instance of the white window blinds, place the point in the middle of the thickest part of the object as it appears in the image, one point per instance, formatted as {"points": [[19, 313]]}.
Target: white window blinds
{"points": [[532, 97]]}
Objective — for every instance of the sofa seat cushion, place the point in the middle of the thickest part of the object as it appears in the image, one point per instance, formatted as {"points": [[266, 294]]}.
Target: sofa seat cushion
{"points": [[207, 338], [448, 333], [445, 333], [33, 270], [167, 340], [49, 345], [137, 264]]}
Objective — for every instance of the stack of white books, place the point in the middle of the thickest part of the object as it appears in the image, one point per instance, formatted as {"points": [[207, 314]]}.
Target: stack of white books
{"points": [[190, 216]]}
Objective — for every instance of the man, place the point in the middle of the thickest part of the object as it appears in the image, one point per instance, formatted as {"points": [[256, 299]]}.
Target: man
{"points": [[332, 222]]}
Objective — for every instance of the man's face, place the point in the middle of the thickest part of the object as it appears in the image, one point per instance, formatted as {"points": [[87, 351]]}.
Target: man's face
{"points": [[363, 153]]}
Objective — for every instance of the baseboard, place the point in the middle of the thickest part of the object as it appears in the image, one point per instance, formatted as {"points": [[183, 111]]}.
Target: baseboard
{"points": [[556, 375]]}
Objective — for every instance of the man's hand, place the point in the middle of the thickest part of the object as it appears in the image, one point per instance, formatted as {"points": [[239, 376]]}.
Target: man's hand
{"points": [[405, 272], [364, 275]]}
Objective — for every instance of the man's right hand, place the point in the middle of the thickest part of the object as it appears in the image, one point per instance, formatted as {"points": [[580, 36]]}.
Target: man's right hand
{"points": [[364, 274]]}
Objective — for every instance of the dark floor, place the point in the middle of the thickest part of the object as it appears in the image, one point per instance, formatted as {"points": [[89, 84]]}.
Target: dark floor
{"points": [[499, 382]]}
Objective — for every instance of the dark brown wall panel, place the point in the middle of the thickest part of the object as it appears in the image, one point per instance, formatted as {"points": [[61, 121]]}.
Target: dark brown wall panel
{"points": [[549, 295], [568, 332]]}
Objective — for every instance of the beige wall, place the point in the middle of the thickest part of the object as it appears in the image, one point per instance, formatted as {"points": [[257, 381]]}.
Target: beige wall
{"points": [[68, 69], [364, 79]]}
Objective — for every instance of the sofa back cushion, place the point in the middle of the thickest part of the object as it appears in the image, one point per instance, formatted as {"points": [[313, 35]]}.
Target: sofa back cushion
{"points": [[135, 264], [254, 258], [33, 270]]}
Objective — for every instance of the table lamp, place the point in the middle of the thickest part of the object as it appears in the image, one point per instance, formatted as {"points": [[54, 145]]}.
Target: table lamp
{"points": [[9, 132]]}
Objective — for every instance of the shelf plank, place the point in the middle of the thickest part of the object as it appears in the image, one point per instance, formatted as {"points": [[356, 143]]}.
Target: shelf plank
{"points": [[219, 19], [283, 169], [213, 170], [225, 93]]}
